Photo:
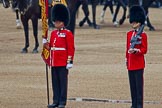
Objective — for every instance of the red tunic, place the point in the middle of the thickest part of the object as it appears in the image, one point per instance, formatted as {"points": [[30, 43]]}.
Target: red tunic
{"points": [[136, 61], [62, 46]]}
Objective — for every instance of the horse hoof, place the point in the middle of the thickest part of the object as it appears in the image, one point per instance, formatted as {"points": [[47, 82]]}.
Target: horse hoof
{"points": [[122, 21], [81, 23], [35, 51], [97, 27], [116, 24], [152, 29], [24, 51], [18, 26]]}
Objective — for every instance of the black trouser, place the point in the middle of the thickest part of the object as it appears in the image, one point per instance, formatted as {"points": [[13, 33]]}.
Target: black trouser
{"points": [[136, 87], [59, 84]]}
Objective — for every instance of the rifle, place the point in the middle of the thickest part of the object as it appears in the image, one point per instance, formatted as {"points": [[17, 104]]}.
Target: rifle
{"points": [[135, 39]]}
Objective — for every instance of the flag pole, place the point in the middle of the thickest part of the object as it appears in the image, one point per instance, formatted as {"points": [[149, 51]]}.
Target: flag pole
{"points": [[45, 52], [47, 84]]}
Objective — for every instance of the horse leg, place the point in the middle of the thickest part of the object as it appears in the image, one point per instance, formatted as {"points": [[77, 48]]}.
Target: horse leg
{"points": [[111, 9], [121, 21], [18, 24], [148, 23], [26, 31], [35, 33], [108, 3], [71, 25], [89, 21], [86, 18], [6, 3], [86, 13], [151, 28], [115, 22], [146, 5], [94, 5], [103, 13], [73, 7]]}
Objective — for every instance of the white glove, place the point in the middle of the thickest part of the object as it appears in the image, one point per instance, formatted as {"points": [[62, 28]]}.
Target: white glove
{"points": [[69, 66], [44, 41]]}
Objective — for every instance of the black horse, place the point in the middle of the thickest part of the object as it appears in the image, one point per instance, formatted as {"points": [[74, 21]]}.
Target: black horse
{"points": [[29, 9]]}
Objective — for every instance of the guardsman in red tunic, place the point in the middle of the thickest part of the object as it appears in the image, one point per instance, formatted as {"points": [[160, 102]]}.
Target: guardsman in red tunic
{"points": [[136, 47], [62, 54]]}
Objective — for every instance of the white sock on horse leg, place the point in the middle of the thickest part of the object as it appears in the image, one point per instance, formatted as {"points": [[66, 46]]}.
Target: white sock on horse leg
{"points": [[103, 13], [102, 16], [18, 24]]}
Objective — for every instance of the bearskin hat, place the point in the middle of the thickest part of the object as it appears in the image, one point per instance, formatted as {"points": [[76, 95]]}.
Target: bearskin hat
{"points": [[137, 14], [61, 13]]}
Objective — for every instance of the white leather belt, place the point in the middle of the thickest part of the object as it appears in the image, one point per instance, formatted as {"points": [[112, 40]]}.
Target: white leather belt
{"points": [[56, 48]]}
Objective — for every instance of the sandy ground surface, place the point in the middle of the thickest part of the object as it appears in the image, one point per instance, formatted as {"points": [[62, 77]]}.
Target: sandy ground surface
{"points": [[99, 70]]}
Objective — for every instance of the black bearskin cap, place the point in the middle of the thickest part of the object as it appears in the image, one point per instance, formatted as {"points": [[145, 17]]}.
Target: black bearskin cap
{"points": [[137, 14], [61, 13]]}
